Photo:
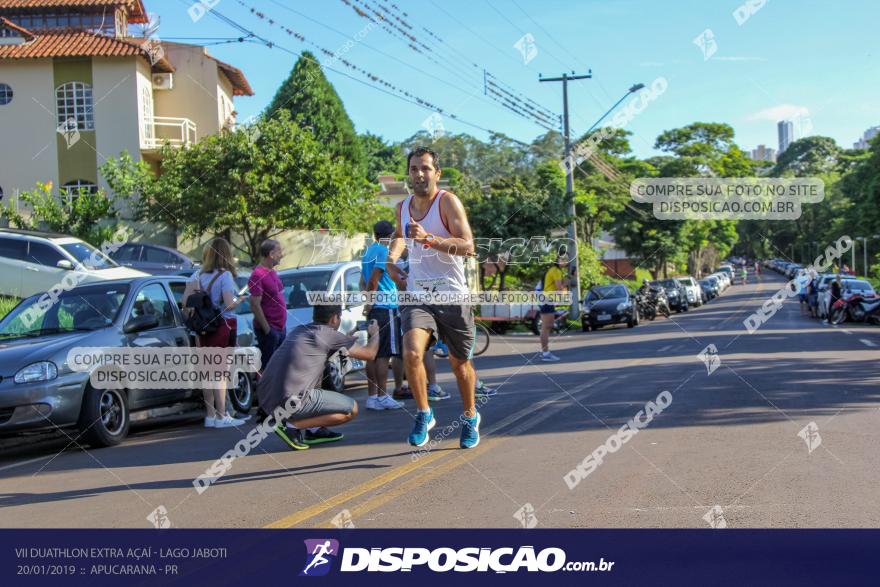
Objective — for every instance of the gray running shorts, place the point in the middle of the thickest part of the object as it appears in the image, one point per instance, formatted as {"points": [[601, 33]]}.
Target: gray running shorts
{"points": [[453, 324]]}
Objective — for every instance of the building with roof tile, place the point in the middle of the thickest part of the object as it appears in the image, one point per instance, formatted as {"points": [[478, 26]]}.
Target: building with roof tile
{"points": [[77, 88]]}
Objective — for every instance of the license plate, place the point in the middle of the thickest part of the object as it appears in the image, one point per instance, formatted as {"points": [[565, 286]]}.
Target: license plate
{"points": [[603, 317]]}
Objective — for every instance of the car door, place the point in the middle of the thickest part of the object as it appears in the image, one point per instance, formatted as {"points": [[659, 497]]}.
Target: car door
{"points": [[152, 298], [41, 271], [127, 255], [158, 261], [352, 313], [12, 262]]}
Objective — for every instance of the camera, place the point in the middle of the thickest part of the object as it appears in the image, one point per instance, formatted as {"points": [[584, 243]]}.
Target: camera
{"points": [[362, 325]]}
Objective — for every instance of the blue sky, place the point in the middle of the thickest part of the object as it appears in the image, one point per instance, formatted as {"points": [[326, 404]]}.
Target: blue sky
{"points": [[808, 60]]}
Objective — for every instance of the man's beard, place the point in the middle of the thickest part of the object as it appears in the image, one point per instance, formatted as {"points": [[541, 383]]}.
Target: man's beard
{"points": [[422, 189]]}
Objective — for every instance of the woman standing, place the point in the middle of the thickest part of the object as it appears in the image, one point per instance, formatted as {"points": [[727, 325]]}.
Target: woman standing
{"points": [[217, 278]]}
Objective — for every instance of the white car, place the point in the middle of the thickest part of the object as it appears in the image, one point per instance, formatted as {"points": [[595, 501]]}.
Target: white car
{"points": [[338, 278], [694, 295], [723, 278], [35, 262], [848, 287]]}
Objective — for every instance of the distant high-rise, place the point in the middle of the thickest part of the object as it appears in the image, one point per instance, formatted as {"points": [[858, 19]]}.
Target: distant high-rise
{"points": [[763, 153], [785, 128], [865, 141]]}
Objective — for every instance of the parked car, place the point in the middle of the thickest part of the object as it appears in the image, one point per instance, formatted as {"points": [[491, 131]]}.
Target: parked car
{"points": [[35, 262], [152, 259], [711, 287], [338, 278], [847, 288], [675, 292], [608, 304], [692, 290], [38, 390]]}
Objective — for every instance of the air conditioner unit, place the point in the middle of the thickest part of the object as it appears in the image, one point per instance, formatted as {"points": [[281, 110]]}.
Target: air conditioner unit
{"points": [[163, 81]]}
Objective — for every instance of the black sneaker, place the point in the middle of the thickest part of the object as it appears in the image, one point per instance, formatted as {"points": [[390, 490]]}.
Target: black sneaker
{"points": [[292, 436], [321, 435]]}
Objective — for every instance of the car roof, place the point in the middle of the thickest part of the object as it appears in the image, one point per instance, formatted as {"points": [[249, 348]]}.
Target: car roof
{"points": [[322, 267], [34, 234]]}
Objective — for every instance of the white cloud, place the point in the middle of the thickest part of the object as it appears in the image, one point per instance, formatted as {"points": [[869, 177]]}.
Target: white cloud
{"points": [[780, 112]]}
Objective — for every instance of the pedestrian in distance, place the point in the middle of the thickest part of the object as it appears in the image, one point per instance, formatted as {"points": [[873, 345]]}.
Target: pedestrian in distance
{"points": [[553, 281]]}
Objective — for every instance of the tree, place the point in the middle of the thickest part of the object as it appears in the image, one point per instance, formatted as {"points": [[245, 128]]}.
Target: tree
{"points": [[256, 182], [90, 216], [808, 157], [313, 104], [381, 157]]}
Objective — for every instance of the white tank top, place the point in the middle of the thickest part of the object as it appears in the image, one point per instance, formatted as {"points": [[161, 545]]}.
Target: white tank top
{"points": [[429, 269]]}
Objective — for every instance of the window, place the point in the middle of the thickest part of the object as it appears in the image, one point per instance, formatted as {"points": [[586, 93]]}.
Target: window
{"points": [[147, 111], [13, 248], [1, 193], [71, 189], [74, 106], [152, 299], [353, 281], [5, 94], [44, 254], [154, 255], [126, 253], [88, 255]]}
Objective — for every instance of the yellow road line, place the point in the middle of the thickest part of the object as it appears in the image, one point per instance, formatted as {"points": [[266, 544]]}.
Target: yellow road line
{"points": [[301, 516]]}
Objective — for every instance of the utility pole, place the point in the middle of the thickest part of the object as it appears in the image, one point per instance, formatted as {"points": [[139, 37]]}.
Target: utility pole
{"points": [[574, 264]]}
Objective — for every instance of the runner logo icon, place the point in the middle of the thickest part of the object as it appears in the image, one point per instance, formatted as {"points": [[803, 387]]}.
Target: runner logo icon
{"points": [[320, 554]]}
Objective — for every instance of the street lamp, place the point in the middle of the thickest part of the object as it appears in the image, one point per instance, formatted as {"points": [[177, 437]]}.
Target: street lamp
{"points": [[635, 88]]}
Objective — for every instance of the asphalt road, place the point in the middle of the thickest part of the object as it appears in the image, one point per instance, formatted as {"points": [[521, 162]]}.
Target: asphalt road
{"points": [[729, 439]]}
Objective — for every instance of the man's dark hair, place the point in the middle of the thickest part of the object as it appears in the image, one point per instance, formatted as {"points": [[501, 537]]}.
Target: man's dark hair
{"points": [[419, 151], [267, 246], [383, 229], [323, 314]]}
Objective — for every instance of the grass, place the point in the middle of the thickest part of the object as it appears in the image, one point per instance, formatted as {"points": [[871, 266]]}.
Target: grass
{"points": [[6, 304]]}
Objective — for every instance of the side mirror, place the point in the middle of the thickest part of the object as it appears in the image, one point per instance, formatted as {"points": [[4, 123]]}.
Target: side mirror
{"points": [[65, 264], [140, 323]]}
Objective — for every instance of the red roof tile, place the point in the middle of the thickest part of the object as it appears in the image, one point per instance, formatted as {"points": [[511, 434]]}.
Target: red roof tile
{"points": [[240, 85], [79, 44], [137, 14]]}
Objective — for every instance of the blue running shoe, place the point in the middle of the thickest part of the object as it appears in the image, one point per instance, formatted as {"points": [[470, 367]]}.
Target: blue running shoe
{"points": [[424, 423], [484, 390], [436, 393], [470, 432]]}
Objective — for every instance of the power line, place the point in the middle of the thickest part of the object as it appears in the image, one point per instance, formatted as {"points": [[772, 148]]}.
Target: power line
{"points": [[416, 102], [263, 16]]}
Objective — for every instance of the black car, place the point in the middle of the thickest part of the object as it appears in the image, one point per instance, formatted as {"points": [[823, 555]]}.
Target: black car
{"points": [[152, 259], [675, 292], [608, 304]]}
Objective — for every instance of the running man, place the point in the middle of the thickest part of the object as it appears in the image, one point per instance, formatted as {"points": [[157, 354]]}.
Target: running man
{"points": [[435, 226], [319, 552]]}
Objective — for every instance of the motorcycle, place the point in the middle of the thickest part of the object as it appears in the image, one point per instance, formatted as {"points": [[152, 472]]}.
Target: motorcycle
{"points": [[646, 308], [661, 302], [856, 307]]}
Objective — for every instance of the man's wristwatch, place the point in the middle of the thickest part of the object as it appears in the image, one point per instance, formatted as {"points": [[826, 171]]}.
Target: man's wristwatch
{"points": [[430, 240]]}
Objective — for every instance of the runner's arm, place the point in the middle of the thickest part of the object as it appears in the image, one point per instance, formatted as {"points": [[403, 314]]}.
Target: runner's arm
{"points": [[462, 240]]}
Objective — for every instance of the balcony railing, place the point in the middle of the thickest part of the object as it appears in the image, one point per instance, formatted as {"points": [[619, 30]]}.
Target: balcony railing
{"points": [[158, 130]]}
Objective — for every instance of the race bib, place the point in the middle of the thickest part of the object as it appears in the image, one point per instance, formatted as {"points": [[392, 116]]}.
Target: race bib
{"points": [[432, 285]]}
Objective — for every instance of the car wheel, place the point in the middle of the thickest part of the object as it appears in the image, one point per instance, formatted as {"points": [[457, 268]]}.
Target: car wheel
{"points": [[104, 418], [334, 378], [242, 395], [585, 326], [631, 323]]}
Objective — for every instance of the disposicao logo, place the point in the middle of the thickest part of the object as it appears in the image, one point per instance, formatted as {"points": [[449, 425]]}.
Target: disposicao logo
{"points": [[320, 554]]}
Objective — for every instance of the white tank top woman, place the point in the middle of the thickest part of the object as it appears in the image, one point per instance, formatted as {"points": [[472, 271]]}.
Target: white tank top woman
{"points": [[429, 269]]}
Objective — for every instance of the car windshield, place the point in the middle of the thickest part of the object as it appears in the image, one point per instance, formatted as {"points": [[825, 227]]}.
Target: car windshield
{"points": [[296, 285], [89, 256], [606, 292], [83, 309], [857, 286], [667, 283]]}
